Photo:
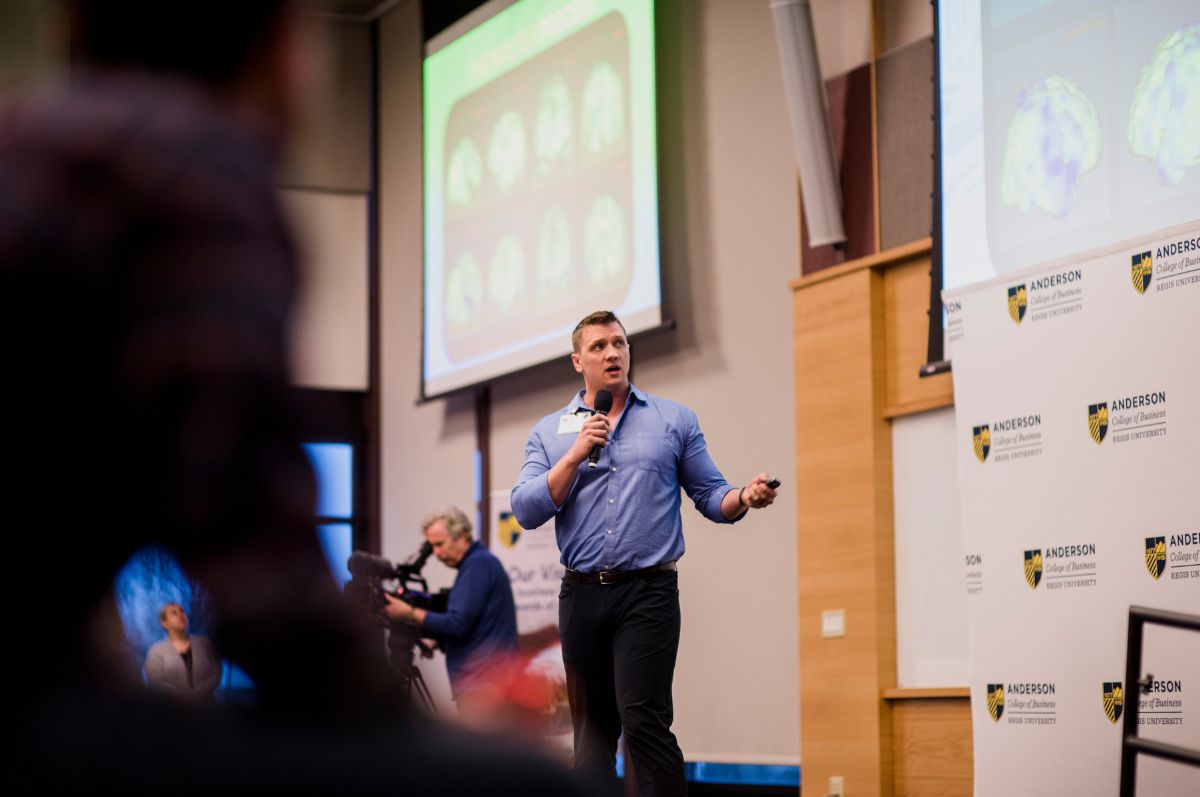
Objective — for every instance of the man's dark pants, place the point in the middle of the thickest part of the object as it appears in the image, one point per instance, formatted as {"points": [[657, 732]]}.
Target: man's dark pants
{"points": [[619, 646]]}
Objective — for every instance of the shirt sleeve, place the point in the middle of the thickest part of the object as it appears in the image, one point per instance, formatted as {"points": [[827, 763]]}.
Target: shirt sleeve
{"points": [[155, 668], [468, 597], [532, 505], [699, 476]]}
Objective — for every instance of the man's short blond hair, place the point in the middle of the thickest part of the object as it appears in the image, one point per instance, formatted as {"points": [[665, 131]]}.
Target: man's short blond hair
{"points": [[457, 523], [598, 318]]}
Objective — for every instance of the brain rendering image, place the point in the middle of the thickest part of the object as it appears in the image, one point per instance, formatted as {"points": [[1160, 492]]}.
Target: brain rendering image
{"points": [[506, 149], [1164, 117], [603, 108], [1053, 140], [464, 174], [552, 131], [604, 240], [554, 254], [507, 275], [464, 290]]}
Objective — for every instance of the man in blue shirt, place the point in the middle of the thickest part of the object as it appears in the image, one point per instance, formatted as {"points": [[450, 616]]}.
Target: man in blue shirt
{"points": [[479, 626], [620, 534]]}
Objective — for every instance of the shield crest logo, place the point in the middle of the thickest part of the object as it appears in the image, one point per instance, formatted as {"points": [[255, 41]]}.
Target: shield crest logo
{"points": [[1033, 567], [509, 530], [981, 439], [1140, 271], [1156, 556], [1098, 421], [1114, 700], [995, 701], [1016, 303]]}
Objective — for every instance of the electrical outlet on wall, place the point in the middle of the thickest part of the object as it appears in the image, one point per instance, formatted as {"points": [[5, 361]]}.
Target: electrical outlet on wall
{"points": [[837, 786]]}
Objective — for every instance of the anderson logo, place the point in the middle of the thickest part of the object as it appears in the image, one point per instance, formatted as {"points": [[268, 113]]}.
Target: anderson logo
{"points": [[1177, 556], [1140, 271], [1156, 556], [1174, 264], [1008, 439], [981, 439], [954, 320], [1113, 700], [1069, 566], [995, 701], [509, 530], [1023, 703], [1017, 299], [1033, 568], [1161, 702], [974, 563], [1098, 421], [1131, 419], [1047, 296]]}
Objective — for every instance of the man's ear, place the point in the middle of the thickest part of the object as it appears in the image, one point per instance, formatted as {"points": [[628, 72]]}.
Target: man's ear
{"points": [[575, 362]]}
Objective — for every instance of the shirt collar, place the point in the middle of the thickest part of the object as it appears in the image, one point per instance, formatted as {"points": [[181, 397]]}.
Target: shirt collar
{"points": [[472, 548], [577, 402]]}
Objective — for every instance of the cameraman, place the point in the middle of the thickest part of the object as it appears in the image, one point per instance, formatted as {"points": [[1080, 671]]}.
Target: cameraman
{"points": [[479, 626]]}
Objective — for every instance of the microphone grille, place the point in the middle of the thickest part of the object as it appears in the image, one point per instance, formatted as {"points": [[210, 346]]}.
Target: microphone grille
{"points": [[604, 399]]}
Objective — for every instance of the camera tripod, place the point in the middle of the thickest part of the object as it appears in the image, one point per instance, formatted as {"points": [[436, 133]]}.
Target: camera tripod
{"points": [[402, 640]]}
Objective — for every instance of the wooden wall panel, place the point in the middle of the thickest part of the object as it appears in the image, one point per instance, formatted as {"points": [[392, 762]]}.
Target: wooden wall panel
{"points": [[906, 330], [860, 332], [932, 747], [845, 533]]}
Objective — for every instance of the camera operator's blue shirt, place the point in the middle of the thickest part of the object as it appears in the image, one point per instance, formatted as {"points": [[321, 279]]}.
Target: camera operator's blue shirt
{"points": [[480, 621], [623, 514]]}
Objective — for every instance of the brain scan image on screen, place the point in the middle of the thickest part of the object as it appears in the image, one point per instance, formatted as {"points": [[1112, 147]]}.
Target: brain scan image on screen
{"points": [[1054, 139], [553, 129], [603, 108], [554, 254], [464, 173], [506, 149], [464, 290], [557, 199], [1164, 117], [506, 277], [605, 244]]}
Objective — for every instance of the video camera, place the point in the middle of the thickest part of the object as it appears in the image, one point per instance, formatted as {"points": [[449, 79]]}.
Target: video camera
{"points": [[365, 588], [365, 591]]}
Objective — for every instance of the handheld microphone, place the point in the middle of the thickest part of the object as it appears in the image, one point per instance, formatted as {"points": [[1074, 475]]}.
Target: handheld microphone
{"points": [[604, 401]]}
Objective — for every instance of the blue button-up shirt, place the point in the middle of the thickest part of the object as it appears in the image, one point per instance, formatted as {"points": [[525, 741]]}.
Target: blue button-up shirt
{"points": [[623, 514], [480, 621]]}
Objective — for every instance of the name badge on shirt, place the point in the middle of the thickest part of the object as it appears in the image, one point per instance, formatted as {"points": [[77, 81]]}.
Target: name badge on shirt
{"points": [[570, 424]]}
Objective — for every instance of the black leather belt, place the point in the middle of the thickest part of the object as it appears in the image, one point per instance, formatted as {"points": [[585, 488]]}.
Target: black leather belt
{"points": [[616, 576]]}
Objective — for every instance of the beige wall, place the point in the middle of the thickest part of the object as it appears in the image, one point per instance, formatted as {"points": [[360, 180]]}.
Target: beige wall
{"points": [[328, 333], [729, 215], [330, 148], [326, 174]]}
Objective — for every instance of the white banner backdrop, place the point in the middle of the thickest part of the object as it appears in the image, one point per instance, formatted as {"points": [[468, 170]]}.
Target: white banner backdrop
{"points": [[531, 560], [1077, 400]]}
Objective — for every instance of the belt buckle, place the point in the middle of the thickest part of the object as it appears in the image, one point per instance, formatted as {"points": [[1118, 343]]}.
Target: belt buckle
{"points": [[608, 576]]}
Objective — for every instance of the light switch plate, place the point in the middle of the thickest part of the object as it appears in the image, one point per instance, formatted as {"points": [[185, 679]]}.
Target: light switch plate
{"points": [[833, 623]]}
